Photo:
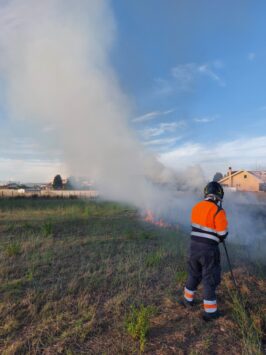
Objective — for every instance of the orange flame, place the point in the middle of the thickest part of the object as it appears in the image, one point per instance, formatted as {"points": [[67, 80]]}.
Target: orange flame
{"points": [[150, 218]]}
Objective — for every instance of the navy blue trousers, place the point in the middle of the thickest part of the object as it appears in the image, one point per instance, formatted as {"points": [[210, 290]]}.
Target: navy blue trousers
{"points": [[204, 265]]}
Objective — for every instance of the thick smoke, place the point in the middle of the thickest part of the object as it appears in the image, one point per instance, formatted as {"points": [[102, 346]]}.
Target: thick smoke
{"points": [[55, 61], [55, 66]]}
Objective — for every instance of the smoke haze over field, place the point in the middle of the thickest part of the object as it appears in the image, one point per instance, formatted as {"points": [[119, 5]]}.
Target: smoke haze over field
{"points": [[247, 223]]}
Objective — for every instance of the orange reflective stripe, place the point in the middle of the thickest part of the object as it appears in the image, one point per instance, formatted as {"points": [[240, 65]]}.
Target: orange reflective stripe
{"points": [[210, 306], [188, 294]]}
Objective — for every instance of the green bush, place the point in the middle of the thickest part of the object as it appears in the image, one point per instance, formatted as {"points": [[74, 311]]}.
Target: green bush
{"points": [[138, 323]]}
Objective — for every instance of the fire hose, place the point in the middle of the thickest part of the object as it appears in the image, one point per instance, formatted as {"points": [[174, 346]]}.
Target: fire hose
{"points": [[232, 274]]}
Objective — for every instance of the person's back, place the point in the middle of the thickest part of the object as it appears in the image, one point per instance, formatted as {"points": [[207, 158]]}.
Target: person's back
{"points": [[208, 221], [209, 228]]}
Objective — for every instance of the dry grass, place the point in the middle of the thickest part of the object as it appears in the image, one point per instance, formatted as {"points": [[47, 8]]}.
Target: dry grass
{"points": [[71, 271]]}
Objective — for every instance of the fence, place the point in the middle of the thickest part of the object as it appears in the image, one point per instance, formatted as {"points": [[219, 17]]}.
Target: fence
{"points": [[9, 193]]}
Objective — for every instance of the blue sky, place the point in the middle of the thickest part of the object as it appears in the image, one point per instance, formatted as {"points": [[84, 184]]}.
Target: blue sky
{"points": [[202, 66], [194, 72]]}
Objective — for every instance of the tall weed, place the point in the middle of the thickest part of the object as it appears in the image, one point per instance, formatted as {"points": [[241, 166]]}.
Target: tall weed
{"points": [[138, 323]]}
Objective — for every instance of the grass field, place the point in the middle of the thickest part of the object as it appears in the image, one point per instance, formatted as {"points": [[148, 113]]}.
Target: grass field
{"points": [[79, 277]]}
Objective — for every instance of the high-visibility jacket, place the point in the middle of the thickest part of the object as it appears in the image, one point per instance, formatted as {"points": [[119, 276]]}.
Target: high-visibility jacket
{"points": [[209, 223]]}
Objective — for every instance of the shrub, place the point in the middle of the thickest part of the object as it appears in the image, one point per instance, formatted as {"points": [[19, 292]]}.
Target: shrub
{"points": [[138, 323]]}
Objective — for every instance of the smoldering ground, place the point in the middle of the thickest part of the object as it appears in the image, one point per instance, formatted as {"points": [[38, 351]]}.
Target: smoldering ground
{"points": [[56, 71]]}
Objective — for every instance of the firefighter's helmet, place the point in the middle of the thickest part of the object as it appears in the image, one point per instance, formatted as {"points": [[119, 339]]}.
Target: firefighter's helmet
{"points": [[214, 188]]}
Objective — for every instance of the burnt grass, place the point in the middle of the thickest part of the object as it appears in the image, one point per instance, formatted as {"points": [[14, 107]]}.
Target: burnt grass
{"points": [[71, 270]]}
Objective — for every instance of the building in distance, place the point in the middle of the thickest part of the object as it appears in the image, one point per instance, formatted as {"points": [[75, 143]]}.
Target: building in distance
{"points": [[245, 180]]}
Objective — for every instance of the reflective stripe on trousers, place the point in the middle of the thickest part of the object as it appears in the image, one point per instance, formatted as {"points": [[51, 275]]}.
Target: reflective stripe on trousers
{"points": [[188, 294], [210, 306]]}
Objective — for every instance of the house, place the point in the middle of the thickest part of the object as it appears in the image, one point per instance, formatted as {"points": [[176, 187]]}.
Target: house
{"points": [[245, 180]]}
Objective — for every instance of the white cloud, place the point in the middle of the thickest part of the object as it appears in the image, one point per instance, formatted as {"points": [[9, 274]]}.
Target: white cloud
{"points": [[251, 56], [243, 153], [205, 69], [187, 74], [205, 119], [162, 142], [162, 128], [151, 115]]}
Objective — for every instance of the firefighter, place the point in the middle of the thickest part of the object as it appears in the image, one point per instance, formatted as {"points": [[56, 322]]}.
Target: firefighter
{"points": [[209, 228]]}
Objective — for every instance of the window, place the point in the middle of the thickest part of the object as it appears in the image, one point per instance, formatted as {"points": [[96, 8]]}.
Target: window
{"points": [[245, 176]]}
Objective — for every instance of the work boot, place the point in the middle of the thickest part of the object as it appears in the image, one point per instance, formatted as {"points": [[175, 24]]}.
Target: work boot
{"points": [[211, 316], [185, 303]]}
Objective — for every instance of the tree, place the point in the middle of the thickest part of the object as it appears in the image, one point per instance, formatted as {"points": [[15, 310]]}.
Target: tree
{"points": [[218, 176], [57, 183]]}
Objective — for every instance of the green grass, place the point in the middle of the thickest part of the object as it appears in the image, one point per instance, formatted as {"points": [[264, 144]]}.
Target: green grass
{"points": [[13, 249], [155, 258], [71, 269], [47, 229], [181, 277], [251, 331], [98, 256]]}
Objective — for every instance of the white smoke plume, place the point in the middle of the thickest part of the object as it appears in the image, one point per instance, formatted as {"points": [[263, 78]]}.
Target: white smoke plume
{"points": [[55, 64]]}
